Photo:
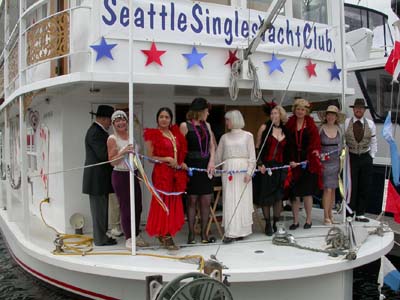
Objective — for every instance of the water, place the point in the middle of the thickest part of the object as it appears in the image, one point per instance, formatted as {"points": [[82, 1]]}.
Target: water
{"points": [[16, 284]]}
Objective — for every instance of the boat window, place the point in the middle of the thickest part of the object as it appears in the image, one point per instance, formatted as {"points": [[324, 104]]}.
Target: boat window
{"points": [[361, 17], [225, 2], [262, 5], [31, 149], [311, 10], [376, 86]]}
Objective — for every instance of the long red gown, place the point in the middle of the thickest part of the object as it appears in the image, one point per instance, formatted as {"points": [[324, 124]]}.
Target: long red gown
{"points": [[167, 179]]}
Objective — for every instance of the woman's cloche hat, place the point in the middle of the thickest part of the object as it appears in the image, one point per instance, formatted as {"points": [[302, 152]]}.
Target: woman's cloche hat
{"points": [[198, 104], [332, 109], [118, 114]]}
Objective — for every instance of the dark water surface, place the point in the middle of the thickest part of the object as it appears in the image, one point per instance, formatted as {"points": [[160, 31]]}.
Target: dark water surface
{"points": [[16, 284]]}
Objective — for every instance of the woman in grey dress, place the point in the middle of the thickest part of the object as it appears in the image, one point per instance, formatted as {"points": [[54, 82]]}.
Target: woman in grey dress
{"points": [[331, 145]]}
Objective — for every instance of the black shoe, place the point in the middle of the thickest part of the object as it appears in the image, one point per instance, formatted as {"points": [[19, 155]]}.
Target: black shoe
{"points": [[307, 225], [274, 228], [362, 219], [240, 238], [191, 239], [227, 240], [287, 207], [268, 228], [294, 226], [108, 242]]}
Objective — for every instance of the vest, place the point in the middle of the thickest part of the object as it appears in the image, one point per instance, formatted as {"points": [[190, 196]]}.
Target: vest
{"points": [[364, 145]]}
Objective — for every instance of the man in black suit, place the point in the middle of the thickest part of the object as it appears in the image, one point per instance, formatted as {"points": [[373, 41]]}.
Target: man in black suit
{"points": [[97, 180]]}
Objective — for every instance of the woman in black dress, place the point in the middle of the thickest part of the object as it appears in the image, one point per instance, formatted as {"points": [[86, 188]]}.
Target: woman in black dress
{"points": [[306, 147], [201, 151], [273, 154]]}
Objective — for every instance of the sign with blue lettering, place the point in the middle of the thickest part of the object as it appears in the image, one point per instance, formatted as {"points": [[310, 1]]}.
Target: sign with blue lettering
{"points": [[187, 22]]}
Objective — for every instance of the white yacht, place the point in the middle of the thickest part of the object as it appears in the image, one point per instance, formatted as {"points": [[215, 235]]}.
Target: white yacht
{"points": [[61, 59]]}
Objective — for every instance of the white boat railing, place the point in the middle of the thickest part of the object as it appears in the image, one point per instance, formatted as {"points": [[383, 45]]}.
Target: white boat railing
{"points": [[46, 51]]}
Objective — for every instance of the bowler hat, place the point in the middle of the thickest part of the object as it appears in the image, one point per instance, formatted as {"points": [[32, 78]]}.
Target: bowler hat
{"points": [[104, 111], [198, 104], [359, 102]]}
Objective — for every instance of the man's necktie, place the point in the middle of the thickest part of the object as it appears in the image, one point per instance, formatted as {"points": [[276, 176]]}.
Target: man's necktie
{"points": [[358, 131]]}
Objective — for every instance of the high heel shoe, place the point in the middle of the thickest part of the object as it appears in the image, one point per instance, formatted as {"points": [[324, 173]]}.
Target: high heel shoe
{"points": [[168, 243], [294, 226], [268, 228], [307, 225], [274, 227], [191, 238]]}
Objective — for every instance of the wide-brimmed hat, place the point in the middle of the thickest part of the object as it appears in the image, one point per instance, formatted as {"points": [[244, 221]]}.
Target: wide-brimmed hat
{"points": [[118, 114], [198, 104], [332, 109], [104, 111], [359, 102]]}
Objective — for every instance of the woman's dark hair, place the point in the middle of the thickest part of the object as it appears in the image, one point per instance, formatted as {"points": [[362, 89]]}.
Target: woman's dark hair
{"points": [[167, 110]]}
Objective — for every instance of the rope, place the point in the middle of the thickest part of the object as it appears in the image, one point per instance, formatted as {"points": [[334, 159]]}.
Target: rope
{"points": [[78, 244]]}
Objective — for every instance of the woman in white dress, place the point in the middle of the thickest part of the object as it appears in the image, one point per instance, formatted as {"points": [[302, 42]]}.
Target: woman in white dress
{"points": [[236, 149]]}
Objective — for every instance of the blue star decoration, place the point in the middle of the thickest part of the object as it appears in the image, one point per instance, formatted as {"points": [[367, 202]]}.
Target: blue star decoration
{"points": [[103, 50], [274, 64], [194, 58], [335, 71]]}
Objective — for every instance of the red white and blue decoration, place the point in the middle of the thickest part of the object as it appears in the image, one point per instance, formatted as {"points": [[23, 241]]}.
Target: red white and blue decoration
{"points": [[232, 58], [335, 71], [310, 67], [103, 49], [153, 55], [194, 58], [274, 64]]}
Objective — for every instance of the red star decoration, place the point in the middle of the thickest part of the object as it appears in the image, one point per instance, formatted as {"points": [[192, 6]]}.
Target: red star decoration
{"points": [[153, 55], [232, 58], [311, 69]]}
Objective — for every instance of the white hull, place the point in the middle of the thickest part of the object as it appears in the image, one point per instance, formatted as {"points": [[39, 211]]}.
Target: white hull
{"points": [[279, 272]]}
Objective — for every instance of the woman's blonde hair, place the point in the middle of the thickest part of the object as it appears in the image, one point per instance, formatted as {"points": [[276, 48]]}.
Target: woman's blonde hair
{"points": [[282, 113], [301, 103], [194, 114]]}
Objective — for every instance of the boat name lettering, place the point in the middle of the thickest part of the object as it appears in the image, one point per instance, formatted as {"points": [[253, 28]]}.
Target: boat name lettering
{"points": [[216, 22]]}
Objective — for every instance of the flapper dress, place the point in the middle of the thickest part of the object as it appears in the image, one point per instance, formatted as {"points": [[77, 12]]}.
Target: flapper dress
{"points": [[236, 149], [271, 186], [306, 180], [198, 140], [332, 162], [167, 179]]}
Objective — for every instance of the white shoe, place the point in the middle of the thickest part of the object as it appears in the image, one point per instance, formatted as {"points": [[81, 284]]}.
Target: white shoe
{"points": [[116, 232], [128, 244]]}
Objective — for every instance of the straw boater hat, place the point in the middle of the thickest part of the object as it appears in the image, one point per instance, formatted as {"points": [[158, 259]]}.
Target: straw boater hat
{"points": [[332, 109]]}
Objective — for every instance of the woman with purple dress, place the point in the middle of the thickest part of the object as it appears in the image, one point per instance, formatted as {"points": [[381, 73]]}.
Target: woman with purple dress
{"points": [[331, 144]]}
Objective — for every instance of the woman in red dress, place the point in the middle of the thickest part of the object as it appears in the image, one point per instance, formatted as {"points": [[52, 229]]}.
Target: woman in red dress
{"points": [[166, 144]]}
